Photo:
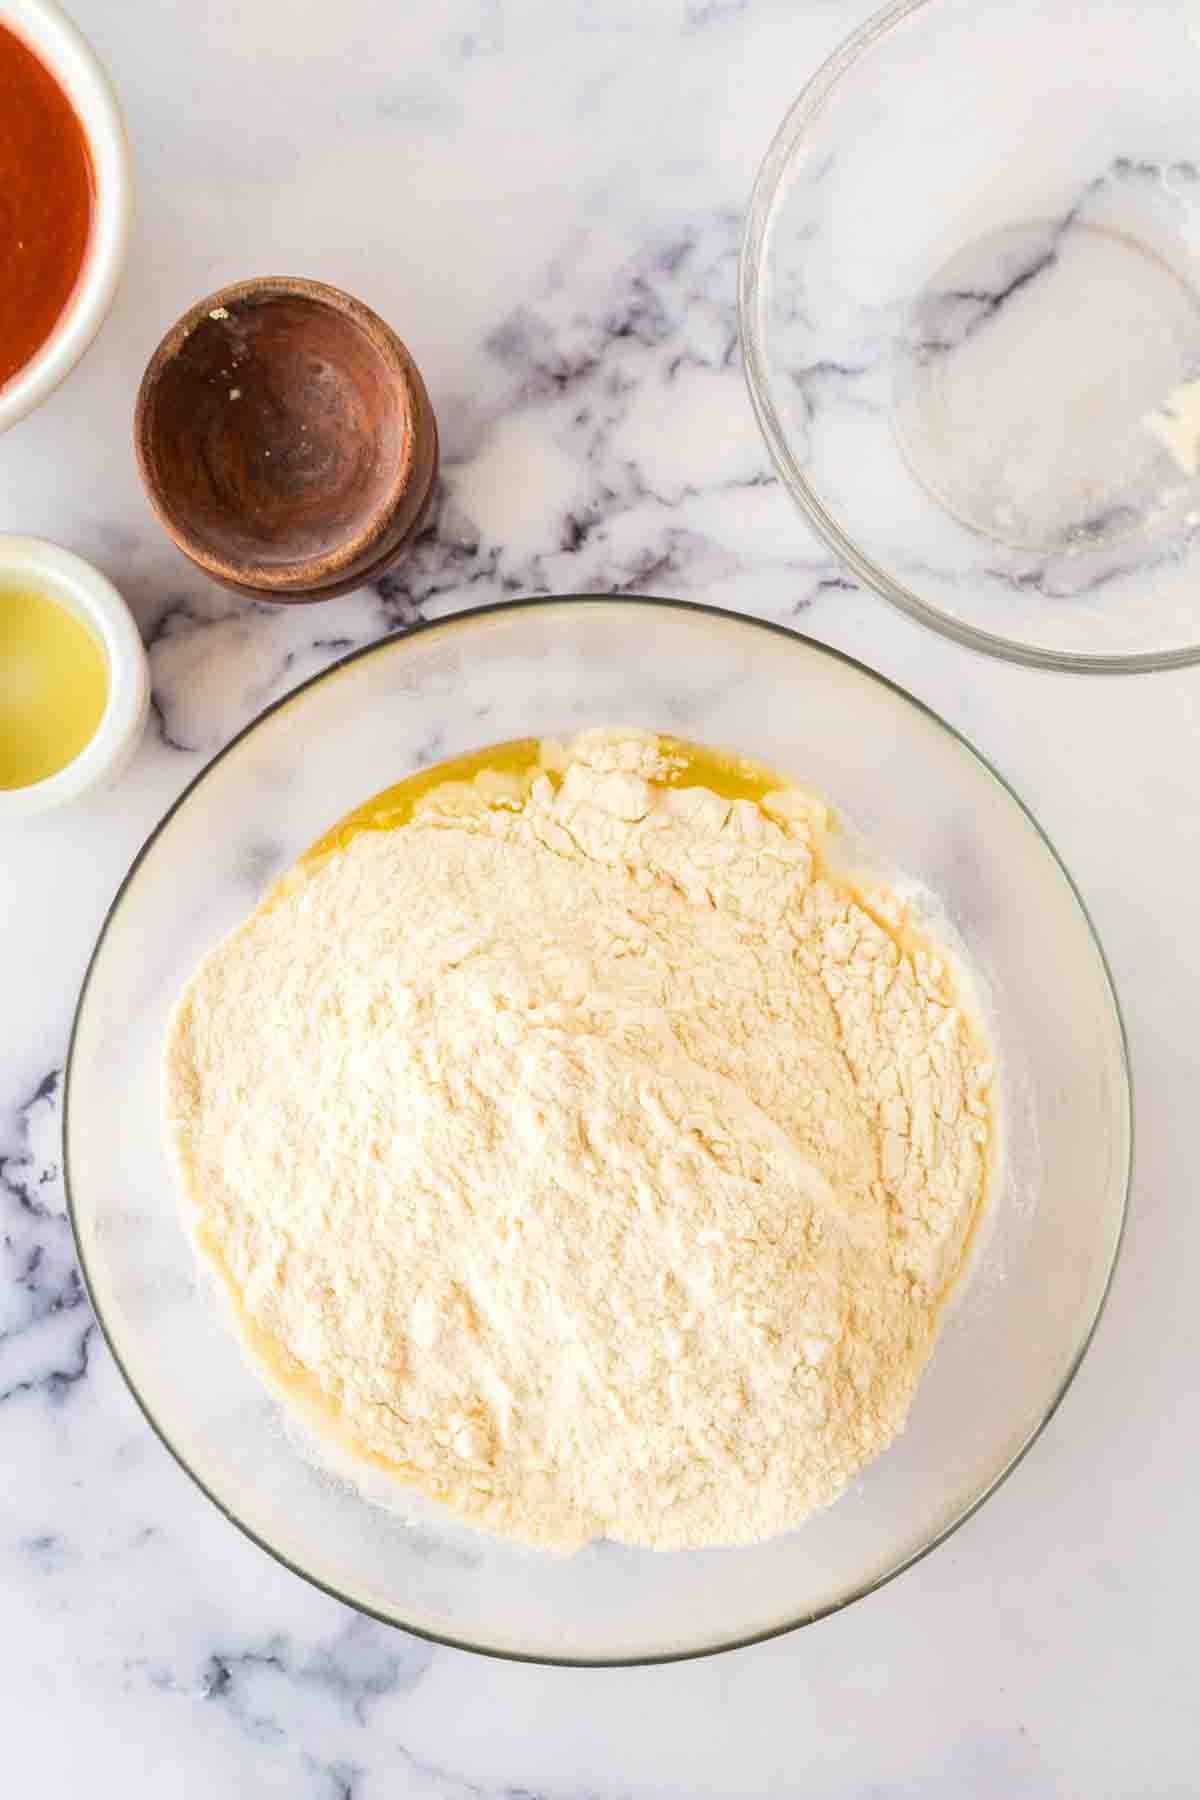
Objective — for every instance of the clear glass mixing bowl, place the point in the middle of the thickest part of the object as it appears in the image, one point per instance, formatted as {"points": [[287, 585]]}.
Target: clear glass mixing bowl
{"points": [[970, 318], [927, 803]]}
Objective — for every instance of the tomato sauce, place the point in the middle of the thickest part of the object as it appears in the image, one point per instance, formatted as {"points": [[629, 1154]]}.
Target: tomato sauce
{"points": [[46, 199]]}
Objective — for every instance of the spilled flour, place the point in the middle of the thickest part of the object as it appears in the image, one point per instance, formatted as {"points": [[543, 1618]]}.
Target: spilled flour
{"points": [[585, 1152]]}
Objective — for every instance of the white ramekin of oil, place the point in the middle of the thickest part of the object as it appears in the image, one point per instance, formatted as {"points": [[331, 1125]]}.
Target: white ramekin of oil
{"points": [[74, 686]]}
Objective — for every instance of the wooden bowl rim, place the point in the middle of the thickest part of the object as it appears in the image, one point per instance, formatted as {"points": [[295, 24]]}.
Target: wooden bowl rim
{"points": [[366, 546]]}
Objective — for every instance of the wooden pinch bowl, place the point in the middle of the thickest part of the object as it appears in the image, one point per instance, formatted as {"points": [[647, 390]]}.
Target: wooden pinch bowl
{"points": [[285, 439]]}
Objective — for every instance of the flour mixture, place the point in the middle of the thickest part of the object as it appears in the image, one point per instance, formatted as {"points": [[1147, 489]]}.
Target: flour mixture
{"points": [[585, 1149]]}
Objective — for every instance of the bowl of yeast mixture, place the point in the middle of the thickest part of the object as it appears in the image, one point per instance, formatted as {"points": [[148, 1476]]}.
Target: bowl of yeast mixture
{"points": [[637, 1144]]}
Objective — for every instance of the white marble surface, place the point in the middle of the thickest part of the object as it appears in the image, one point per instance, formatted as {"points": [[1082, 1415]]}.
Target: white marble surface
{"points": [[546, 200]]}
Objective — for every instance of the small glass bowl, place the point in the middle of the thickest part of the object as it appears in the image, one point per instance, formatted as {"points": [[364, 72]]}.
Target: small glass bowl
{"points": [[970, 315], [928, 805]]}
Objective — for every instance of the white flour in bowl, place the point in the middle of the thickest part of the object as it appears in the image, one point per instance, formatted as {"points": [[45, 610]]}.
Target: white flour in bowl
{"points": [[587, 1152]]}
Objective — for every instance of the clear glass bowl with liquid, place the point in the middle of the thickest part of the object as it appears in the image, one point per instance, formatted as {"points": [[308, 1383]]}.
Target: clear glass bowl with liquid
{"points": [[927, 804], [970, 315]]}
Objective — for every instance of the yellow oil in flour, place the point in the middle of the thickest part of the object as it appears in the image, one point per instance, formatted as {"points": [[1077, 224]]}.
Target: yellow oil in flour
{"points": [[502, 772]]}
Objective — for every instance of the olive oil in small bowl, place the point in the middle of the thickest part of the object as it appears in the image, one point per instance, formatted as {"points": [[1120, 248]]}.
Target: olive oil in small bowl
{"points": [[53, 686], [74, 688]]}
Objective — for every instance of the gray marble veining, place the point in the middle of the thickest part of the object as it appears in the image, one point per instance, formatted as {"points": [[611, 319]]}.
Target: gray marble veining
{"points": [[547, 202]]}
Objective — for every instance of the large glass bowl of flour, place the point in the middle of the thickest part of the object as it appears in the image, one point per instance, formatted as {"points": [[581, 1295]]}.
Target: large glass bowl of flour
{"points": [[930, 810], [970, 317]]}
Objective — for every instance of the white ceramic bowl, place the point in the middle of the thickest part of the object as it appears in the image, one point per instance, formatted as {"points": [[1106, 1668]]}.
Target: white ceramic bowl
{"points": [[66, 578], [52, 36]]}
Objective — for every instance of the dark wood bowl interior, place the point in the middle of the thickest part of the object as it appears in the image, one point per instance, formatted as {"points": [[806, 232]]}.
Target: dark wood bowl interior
{"points": [[275, 433]]}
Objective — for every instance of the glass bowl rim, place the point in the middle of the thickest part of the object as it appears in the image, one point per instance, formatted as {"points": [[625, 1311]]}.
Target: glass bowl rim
{"points": [[566, 603], [804, 110]]}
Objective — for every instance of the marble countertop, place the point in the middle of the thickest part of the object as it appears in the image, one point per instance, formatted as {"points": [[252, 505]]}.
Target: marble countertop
{"points": [[546, 199]]}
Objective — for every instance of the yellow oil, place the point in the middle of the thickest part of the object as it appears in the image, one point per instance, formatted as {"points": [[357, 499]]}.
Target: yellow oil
{"points": [[696, 765], [735, 777], [53, 686]]}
